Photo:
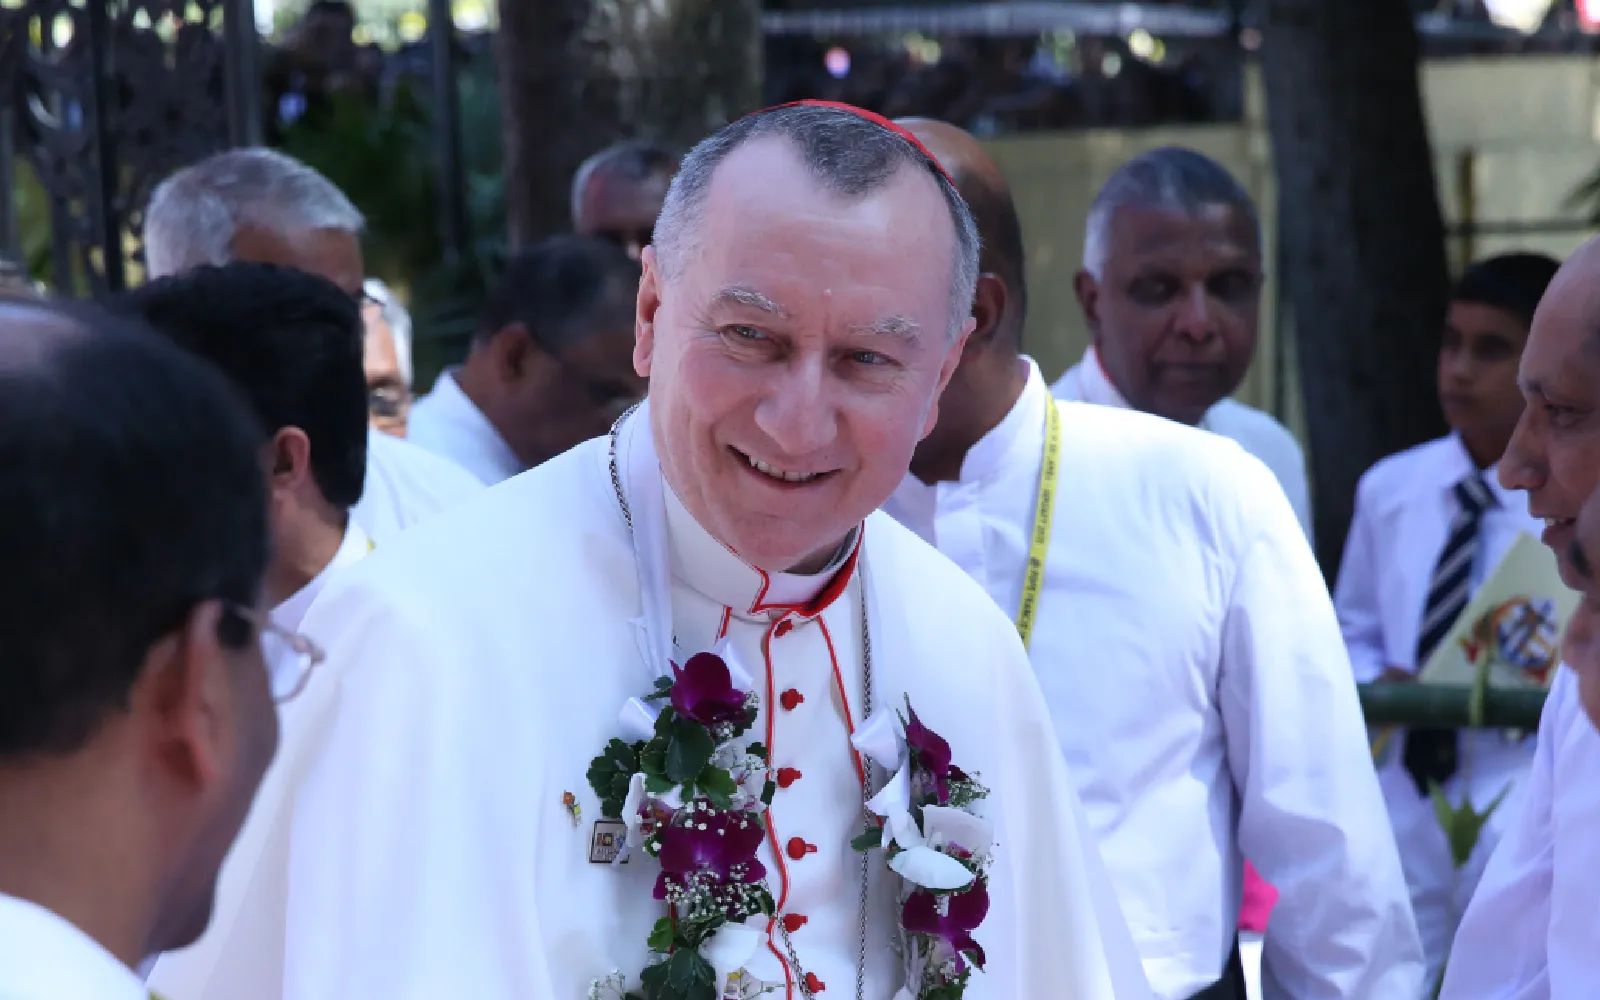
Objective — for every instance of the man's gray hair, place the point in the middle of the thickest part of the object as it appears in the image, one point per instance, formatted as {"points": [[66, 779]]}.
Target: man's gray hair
{"points": [[1171, 178], [193, 215], [849, 154], [634, 160]]}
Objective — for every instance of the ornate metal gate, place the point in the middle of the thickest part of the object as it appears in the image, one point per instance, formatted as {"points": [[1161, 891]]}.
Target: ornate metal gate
{"points": [[102, 98]]}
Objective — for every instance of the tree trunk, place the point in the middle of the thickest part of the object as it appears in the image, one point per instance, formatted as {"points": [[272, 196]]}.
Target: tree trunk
{"points": [[577, 75], [1363, 238]]}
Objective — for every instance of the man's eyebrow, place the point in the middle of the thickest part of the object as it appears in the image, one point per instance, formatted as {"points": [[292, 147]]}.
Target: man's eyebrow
{"points": [[894, 327], [737, 295]]}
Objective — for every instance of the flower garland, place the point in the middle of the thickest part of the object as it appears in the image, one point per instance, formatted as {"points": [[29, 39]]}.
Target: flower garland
{"points": [[694, 800]]}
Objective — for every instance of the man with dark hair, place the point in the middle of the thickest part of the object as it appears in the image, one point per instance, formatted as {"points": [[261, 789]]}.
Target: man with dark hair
{"points": [[1430, 525], [291, 343], [136, 703], [806, 300], [617, 193], [1204, 720], [551, 363]]}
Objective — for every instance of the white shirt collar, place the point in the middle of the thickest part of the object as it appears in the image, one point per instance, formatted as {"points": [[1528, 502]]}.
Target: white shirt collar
{"points": [[1017, 437], [476, 444], [711, 568], [43, 957], [292, 611], [1459, 465], [1095, 386]]}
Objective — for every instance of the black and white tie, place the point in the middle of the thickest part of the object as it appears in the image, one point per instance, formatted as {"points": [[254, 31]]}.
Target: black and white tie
{"points": [[1430, 754]]}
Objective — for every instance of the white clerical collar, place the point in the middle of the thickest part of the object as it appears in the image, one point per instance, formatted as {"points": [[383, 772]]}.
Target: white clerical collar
{"points": [[292, 611], [1016, 438], [711, 568], [43, 957], [1094, 386], [491, 460]]}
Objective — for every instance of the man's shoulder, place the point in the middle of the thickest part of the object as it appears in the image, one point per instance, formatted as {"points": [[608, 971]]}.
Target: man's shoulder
{"points": [[415, 463], [1115, 437], [943, 595], [1257, 431], [1395, 476]]}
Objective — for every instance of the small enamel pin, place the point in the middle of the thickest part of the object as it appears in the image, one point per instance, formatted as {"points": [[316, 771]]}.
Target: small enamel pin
{"points": [[569, 802]]}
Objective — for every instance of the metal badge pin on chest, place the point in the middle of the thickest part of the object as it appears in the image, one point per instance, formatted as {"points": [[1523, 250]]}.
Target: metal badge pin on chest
{"points": [[569, 802]]}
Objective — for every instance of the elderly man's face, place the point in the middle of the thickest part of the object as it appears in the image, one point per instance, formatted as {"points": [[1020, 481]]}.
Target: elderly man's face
{"points": [[621, 210], [1581, 651], [1174, 312], [388, 396], [1554, 453], [796, 361]]}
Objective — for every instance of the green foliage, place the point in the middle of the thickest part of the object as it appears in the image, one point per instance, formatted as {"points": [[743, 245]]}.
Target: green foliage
{"points": [[684, 976], [717, 785], [869, 839], [661, 936], [610, 773], [689, 750], [1463, 824]]}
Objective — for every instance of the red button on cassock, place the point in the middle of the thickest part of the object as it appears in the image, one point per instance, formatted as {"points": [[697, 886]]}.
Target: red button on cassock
{"points": [[794, 921], [814, 984], [783, 629], [790, 698], [787, 776], [799, 848]]}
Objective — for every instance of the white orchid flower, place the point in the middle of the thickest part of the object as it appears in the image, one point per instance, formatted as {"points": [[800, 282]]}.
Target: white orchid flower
{"points": [[931, 869], [881, 739], [633, 811], [943, 826], [893, 803], [728, 949]]}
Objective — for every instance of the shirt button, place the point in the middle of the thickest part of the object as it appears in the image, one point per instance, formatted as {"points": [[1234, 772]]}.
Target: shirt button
{"points": [[788, 776], [794, 921], [790, 698], [798, 848], [814, 984], [783, 629]]}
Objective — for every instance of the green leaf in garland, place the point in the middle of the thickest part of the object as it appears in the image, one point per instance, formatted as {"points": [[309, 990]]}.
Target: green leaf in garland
{"points": [[689, 751], [768, 791], [869, 840], [718, 786], [653, 757], [757, 750], [691, 977], [659, 784], [609, 775], [661, 936]]}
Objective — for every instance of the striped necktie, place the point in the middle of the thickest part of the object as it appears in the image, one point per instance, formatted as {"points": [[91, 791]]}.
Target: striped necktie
{"points": [[1430, 754]]}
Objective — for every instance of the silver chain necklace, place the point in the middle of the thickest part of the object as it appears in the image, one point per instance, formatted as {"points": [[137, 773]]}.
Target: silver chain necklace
{"points": [[866, 710]]}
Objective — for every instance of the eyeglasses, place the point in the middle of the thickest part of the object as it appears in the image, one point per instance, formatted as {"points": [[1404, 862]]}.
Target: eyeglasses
{"points": [[289, 656], [388, 400]]}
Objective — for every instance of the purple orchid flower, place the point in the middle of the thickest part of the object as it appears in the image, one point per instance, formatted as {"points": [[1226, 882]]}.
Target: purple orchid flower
{"points": [[717, 846], [704, 692], [965, 910], [931, 754]]}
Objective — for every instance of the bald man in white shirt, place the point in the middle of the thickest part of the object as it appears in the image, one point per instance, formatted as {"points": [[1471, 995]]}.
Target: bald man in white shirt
{"points": [[1187, 650]]}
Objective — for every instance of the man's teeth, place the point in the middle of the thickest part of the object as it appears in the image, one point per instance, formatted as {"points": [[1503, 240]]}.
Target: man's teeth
{"points": [[776, 473], [1556, 522]]}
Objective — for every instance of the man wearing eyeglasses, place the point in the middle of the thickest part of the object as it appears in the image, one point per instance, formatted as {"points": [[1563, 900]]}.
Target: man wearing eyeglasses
{"points": [[551, 364], [291, 343], [136, 716]]}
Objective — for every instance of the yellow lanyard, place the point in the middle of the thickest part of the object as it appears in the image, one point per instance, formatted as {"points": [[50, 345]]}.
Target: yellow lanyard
{"points": [[1043, 515]]}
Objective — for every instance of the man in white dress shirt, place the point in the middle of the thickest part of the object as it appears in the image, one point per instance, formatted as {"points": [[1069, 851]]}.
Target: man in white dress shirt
{"points": [[1171, 290], [291, 343], [551, 363], [135, 701], [445, 838], [1187, 650], [1529, 932], [259, 205], [1430, 525]]}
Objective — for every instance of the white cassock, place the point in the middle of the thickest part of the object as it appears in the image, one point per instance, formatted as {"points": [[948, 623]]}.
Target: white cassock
{"points": [[237, 958], [447, 423], [1188, 651], [1256, 432], [406, 485], [43, 957], [1531, 932], [1404, 507], [484, 660]]}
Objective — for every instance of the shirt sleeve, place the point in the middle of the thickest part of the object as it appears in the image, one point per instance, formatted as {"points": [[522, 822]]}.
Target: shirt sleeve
{"points": [[1501, 948], [1356, 598], [1311, 818]]}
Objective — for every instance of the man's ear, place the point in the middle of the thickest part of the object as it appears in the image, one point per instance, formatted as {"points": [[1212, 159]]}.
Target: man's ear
{"points": [[988, 310], [289, 461], [511, 348], [646, 308], [1088, 292], [183, 692], [952, 361]]}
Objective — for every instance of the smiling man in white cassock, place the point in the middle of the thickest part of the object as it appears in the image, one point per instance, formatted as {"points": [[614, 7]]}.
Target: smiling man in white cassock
{"points": [[806, 301]]}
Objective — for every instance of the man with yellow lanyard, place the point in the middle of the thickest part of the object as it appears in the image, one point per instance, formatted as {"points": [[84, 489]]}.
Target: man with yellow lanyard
{"points": [[1186, 645]]}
